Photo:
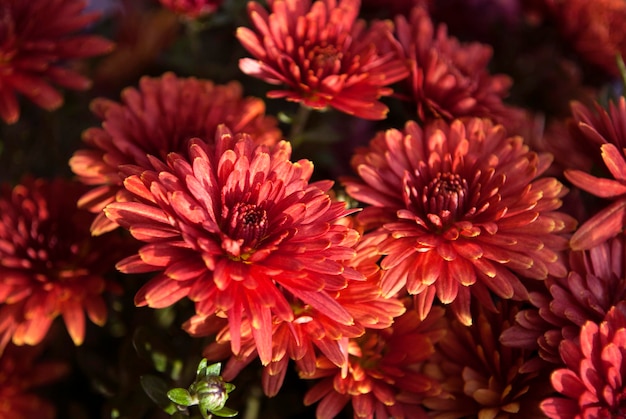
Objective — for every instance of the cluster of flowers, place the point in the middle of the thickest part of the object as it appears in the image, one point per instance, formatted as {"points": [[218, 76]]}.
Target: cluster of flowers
{"points": [[444, 278]]}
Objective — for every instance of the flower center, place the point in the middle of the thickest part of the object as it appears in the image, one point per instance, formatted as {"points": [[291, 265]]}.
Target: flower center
{"points": [[325, 57], [248, 222], [444, 199]]}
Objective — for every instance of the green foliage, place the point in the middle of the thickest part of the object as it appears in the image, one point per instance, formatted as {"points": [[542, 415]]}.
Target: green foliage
{"points": [[209, 392]]}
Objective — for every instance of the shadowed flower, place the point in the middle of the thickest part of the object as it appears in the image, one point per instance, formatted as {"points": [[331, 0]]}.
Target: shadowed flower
{"points": [[37, 38], [481, 377], [20, 375], [596, 282], [383, 378], [593, 381], [311, 329], [607, 132], [322, 54], [50, 264], [237, 228], [192, 9], [596, 30], [449, 79], [462, 210], [158, 118]]}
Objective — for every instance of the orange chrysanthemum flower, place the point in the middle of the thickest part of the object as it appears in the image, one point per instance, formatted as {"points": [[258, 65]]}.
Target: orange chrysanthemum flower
{"points": [[50, 264], [462, 210], [596, 30], [596, 283], [37, 38], [21, 373], [192, 9], [482, 378], [311, 329], [322, 54], [383, 378], [159, 118], [449, 79], [606, 131], [239, 229], [593, 381]]}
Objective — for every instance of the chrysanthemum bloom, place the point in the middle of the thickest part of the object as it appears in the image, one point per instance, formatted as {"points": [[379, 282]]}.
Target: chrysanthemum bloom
{"points": [[448, 79], [50, 264], [462, 210], [482, 378], [156, 119], [311, 329], [237, 227], [38, 38], [383, 379], [323, 55], [607, 132], [596, 30], [593, 381], [20, 375], [192, 9], [596, 282]]}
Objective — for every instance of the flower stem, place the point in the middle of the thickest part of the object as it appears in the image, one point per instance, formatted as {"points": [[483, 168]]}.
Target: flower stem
{"points": [[298, 125]]}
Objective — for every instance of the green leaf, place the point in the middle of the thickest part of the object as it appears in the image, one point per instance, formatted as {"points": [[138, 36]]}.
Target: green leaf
{"points": [[213, 369], [156, 388], [202, 366], [225, 412], [181, 396]]}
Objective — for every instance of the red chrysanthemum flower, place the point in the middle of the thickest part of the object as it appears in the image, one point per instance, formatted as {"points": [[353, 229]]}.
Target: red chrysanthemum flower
{"points": [[596, 282], [480, 377], [238, 228], [449, 79], [384, 378], [37, 38], [192, 9], [157, 119], [607, 132], [596, 29], [50, 264], [593, 380], [21, 373], [311, 329], [323, 54], [462, 210]]}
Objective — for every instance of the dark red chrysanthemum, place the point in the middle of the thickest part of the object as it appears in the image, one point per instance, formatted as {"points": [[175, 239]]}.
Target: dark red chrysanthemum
{"points": [[237, 228], [384, 378], [607, 132], [596, 29], [21, 373], [37, 38], [593, 381], [480, 377], [449, 79], [50, 264], [158, 118], [462, 210], [192, 9], [323, 54], [310, 329], [596, 282]]}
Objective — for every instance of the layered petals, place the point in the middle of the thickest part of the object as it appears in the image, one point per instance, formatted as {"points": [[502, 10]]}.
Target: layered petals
{"points": [[38, 38], [460, 210], [322, 54], [237, 227]]}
